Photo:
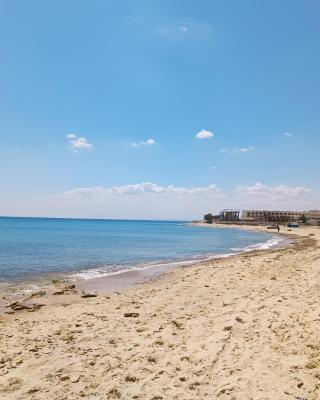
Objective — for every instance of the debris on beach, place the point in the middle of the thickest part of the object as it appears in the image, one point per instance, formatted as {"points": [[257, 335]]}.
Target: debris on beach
{"points": [[87, 295], [19, 306], [64, 288], [131, 314]]}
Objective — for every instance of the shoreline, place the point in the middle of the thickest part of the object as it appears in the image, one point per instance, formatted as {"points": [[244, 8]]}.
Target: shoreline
{"points": [[239, 327], [125, 279], [120, 280]]}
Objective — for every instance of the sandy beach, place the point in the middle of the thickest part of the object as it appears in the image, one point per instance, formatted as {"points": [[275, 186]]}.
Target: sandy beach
{"points": [[243, 327]]}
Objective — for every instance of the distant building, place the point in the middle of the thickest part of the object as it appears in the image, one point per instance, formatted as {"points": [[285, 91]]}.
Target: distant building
{"points": [[229, 215], [312, 216]]}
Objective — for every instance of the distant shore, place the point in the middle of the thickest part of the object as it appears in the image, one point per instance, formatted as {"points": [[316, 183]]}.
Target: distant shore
{"points": [[239, 327]]}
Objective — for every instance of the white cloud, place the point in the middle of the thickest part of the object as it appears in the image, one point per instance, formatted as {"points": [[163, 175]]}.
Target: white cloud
{"points": [[151, 201], [224, 150], [288, 134], [243, 149], [78, 143], [143, 188], [144, 200], [203, 134], [148, 142], [276, 197]]}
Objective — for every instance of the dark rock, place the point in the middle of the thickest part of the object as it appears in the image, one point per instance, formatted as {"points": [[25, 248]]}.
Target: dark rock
{"points": [[87, 295], [131, 314], [177, 324], [18, 306], [131, 378]]}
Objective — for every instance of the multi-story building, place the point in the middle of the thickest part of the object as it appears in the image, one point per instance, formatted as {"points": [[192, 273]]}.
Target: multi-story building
{"points": [[230, 215], [312, 216], [272, 216]]}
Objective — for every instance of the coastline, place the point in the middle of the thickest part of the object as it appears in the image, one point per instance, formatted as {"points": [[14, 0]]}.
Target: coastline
{"points": [[238, 327], [125, 279], [121, 279]]}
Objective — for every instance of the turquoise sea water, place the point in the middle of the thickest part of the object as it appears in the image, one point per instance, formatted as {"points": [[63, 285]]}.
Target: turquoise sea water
{"points": [[38, 247]]}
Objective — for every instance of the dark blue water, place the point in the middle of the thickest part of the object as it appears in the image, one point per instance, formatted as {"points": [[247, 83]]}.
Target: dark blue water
{"points": [[33, 247]]}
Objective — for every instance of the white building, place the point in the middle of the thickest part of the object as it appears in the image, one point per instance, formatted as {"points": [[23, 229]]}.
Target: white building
{"points": [[312, 216]]}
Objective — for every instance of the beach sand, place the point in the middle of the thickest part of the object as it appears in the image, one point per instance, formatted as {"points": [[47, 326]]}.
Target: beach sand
{"points": [[243, 327]]}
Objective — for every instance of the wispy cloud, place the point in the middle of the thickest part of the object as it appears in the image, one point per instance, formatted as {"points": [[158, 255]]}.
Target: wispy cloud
{"points": [[212, 168], [179, 31], [203, 134], [78, 143], [243, 149], [182, 32], [172, 32], [143, 189], [248, 149], [288, 134], [148, 142]]}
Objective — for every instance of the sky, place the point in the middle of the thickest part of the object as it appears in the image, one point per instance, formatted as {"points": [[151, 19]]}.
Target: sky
{"points": [[158, 109]]}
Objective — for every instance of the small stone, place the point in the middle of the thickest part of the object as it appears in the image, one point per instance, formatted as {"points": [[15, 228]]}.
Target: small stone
{"points": [[131, 315], [33, 390], [151, 359], [115, 393], [177, 324], [74, 378], [227, 328], [300, 384], [311, 365], [131, 378]]}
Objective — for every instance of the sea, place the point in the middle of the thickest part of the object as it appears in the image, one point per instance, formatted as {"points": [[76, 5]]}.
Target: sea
{"points": [[47, 248]]}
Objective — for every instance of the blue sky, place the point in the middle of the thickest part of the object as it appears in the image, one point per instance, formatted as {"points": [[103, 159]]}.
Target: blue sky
{"points": [[120, 73]]}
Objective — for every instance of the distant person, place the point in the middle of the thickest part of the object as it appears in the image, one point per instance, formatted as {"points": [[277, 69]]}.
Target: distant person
{"points": [[278, 228]]}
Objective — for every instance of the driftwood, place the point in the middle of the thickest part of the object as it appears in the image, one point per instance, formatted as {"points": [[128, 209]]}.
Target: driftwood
{"points": [[18, 306]]}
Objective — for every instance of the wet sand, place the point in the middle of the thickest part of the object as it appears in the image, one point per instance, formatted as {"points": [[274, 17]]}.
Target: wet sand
{"points": [[243, 327]]}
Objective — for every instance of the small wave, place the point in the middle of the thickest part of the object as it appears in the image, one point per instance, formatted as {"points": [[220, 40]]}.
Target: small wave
{"points": [[112, 270], [117, 270], [275, 241]]}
